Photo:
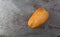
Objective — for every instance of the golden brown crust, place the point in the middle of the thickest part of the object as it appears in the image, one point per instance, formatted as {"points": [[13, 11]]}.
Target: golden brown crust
{"points": [[38, 18]]}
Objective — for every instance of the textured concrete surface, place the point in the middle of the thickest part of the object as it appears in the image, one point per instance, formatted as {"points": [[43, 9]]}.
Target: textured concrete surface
{"points": [[14, 15]]}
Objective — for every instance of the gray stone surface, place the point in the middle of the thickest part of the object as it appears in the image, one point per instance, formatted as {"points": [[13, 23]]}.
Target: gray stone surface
{"points": [[14, 15]]}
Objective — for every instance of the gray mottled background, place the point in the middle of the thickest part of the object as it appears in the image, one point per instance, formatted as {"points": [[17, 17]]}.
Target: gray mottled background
{"points": [[14, 15]]}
